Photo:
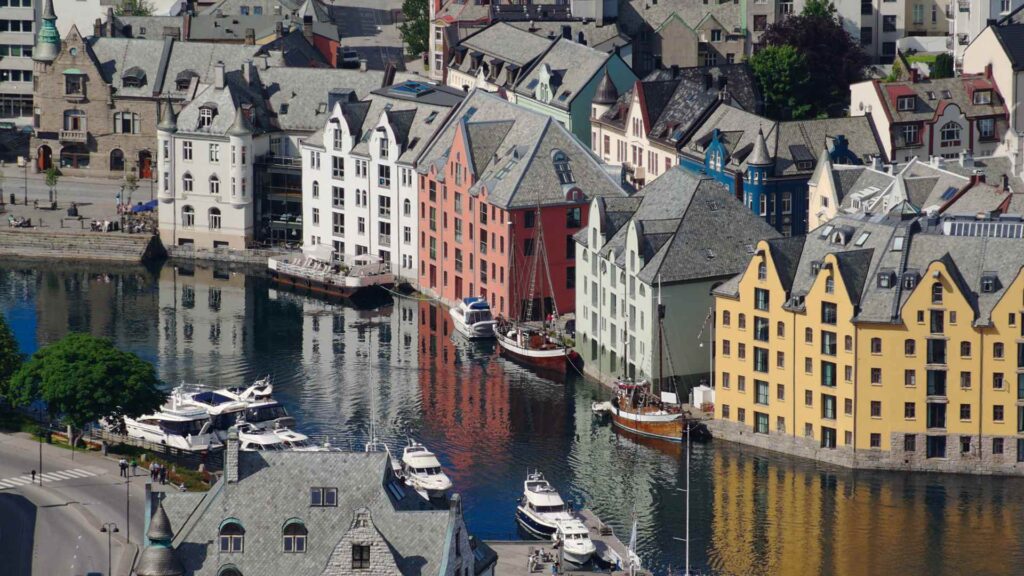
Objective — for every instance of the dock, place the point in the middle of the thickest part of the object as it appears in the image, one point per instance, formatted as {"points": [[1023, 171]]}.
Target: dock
{"points": [[514, 556]]}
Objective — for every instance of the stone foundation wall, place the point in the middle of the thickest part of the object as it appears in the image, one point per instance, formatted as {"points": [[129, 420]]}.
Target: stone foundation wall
{"points": [[248, 256], [79, 245], [980, 460]]}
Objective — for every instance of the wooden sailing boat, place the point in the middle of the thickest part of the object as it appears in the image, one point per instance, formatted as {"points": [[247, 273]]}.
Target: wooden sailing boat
{"points": [[639, 410], [537, 345]]}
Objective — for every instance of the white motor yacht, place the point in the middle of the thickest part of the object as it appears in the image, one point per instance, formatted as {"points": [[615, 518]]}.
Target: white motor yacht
{"points": [[178, 424], [473, 318], [422, 471], [541, 507], [574, 539], [254, 438], [228, 406]]}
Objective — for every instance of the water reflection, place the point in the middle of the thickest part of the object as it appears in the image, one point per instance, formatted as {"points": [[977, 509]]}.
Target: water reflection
{"points": [[490, 421]]}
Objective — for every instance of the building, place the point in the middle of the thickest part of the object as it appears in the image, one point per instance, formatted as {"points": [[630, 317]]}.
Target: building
{"points": [[768, 163], [669, 244], [562, 83], [494, 58], [230, 170], [327, 513], [878, 342], [496, 182], [370, 207], [641, 128], [934, 117], [929, 17], [19, 21], [911, 188], [970, 19], [450, 22]]}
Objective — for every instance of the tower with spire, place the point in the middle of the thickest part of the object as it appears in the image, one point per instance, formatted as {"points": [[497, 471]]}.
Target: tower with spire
{"points": [[48, 39], [158, 558], [759, 169], [605, 96]]}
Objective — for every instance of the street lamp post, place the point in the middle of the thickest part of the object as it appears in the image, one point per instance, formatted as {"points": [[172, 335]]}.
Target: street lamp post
{"points": [[26, 183], [41, 432], [109, 528], [127, 507]]}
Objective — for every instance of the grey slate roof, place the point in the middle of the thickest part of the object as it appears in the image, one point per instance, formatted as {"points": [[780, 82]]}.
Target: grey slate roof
{"points": [[518, 171], [930, 97], [637, 14], [506, 42], [274, 487], [1011, 37], [147, 27], [115, 56], [691, 228], [201, 57], [573, 65], [606, 37]]}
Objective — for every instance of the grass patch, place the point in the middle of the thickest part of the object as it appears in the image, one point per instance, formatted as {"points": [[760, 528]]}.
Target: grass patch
{"points": [[923, 58]]}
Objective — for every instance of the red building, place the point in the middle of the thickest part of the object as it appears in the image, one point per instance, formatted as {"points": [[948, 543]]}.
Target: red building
{"points": [[494, 181]]}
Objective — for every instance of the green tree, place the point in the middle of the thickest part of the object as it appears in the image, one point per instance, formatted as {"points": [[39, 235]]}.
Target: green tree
{"points": [[83, 379], [10, 357], [134, 8], [819, 8], [943, 66], [52, 177], [782, 73], [131, 184], [416, 28]]}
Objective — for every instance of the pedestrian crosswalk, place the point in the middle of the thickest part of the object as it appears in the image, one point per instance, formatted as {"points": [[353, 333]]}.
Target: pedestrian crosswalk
{"points": [[75, 474]]}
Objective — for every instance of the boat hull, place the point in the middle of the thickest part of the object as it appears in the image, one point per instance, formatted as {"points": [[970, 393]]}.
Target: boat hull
{"points": [[478, 331], [578, 559], [534, 526], [642, 425], [313, 285], [556, 361]]}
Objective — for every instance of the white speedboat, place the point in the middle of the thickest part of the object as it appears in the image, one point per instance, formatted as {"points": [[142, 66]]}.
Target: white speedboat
{"points": [[473, 318], [178, 424], [228, 406], [422, 471], [541, 508], [252, 438], [573, 538]]}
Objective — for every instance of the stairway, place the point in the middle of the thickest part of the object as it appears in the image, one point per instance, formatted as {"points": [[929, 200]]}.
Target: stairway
{"points": [[83, 245]]}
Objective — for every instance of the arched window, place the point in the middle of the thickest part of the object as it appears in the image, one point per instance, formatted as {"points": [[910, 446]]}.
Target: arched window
{"points": [[116, 160], [294, 534], [188, 216], [206, 115], [407, 207], [186, 182], [762, 271], [876, 345], [229, 570], [214, 218], [214, 184], [830, 285], [742, 321], [780, 329], [950, 134], [726, 318], [232, 536], [316, 189], [937, 293]]}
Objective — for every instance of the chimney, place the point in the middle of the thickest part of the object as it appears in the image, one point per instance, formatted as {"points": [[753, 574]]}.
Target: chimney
{"points": [[218, 75], [248, 72], [709, 81], [250, 36], [389, 75], [278, 29], [362, 64], [231, 456], [110, 21], [977, 177], [97, 28], [307, 27], [967, 159], [876, 163], [914, 75], [936, 161]]}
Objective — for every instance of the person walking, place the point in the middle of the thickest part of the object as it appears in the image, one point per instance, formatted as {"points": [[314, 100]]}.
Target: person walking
{"points": [[163, 474], [135, 467], [154, 471], [123, 464]]}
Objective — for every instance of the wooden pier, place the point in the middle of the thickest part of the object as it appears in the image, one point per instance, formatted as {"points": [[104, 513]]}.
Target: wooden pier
{"points": [[514, 556]]}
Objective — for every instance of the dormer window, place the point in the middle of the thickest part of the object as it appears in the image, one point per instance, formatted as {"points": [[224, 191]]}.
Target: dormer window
{"points": [[360, 557], [886, 278], [905, 103], [910, 280], [184, 79], [562, 168], [133, 77], [319, 497], [989, 283], [232, 536], [982, 96], [206, 115], [815, 268]]}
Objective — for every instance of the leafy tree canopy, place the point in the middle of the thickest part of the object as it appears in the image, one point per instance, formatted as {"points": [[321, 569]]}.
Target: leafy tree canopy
{"points": [[84, 379], [943, 66], [134, 8], [833, 58], [415, 30], [10, 357], [52, 176], [782, 73], [819, 8]]}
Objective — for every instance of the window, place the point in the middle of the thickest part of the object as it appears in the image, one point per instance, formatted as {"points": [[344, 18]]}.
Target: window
{"points": [[726, 317], [337, 197], [876, 345], [716, 35], [809, 335], [876, 409], [987, 128], [760, 23], [848, 407], [950, 134], [997, 381], [384, 176], [809, 398], [337, 167], [909, 410], [780, 329], [761, 392], [74, 84], [866, 36], [780, 392], [909, 443], [965, 411], [909, 347], [562, 168], [188, 216], [997, 413], [573, 217], [848, 344], [316, 190], [876, 376], [126, 123], [232, 536], [761, 299], [997, 350], [206, 114], [910, 378], [828, 312], [320, 497], [186, 150], [528, 247], [762, 271], [186, 182], [360, 557], [214, 218], [876, 440], [888, 23], [295, 537], [997, 446], [965, 380], [316, 216], [910, 133], [760, 423], [742, 321], [529, 219], [828, 407], [965, 349]]}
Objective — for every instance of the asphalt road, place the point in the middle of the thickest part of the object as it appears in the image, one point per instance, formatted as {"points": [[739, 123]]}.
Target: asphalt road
{"points": [[60, 521]]}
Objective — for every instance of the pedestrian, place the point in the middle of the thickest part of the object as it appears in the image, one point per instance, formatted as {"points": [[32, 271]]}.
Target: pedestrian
{"points": [[154, 471], [135, 467], [33, 476], [123, 464], [163, 474], [554, 569]]}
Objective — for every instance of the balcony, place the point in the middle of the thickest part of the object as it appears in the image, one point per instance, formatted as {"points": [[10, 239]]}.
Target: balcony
{"points": [[384, 240], [278, 161], [74, 136]]}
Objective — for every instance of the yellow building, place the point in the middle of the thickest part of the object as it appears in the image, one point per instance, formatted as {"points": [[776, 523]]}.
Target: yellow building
{"points": [[879, 342]]}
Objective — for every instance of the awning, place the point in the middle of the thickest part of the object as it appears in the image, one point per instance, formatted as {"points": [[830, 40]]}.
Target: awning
{"points": [[140, 207]]}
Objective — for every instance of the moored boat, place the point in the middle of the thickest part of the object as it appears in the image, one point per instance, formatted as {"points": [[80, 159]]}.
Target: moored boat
{"points": [[422, 471], [541, 508], [535, 348], [473, 319], [258, 439], [178, 424], [318, 270], [573, 538]]}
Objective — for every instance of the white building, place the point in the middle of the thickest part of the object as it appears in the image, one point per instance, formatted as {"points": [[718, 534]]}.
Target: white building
{"points": [[359, 184], [671, 243], [971, 17]]}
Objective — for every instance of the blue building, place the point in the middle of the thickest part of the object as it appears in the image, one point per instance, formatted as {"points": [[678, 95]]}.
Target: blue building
{"points": [[767, 164]]}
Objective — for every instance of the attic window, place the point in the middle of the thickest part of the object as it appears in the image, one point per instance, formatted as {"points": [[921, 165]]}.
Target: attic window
{"points": [[897, 244], [815, 268], [910, 280], [803, 165], [206, 115], [321, 108], [862, 238], [982, 96], [989, 283], [930, 95], [947, 95], [133, 77], [431, 117], [709, 253], [562, 168], [885, 279], [905, 103], [564, 96], [284, 109], [183, 79]]}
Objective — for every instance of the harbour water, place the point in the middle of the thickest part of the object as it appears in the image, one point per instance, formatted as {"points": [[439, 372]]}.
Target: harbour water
{"points": [[490, 421]]}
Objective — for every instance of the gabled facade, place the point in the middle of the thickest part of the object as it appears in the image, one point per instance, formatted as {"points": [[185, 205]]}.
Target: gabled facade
{"points": [[360, 190], [670, 243], [995, 54], [494, 179], [494, 58], [878, 343], [924, 118]]}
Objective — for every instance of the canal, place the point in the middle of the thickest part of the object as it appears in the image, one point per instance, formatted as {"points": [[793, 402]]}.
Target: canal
{"points": [[338, 368]]}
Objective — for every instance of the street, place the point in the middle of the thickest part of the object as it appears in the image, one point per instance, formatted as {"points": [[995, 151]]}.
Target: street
{"points": [[55, 529], [96, 197]]}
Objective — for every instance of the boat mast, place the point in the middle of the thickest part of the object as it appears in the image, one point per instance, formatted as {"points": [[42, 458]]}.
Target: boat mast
{"points": [[687, 424], [661, 351]]}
